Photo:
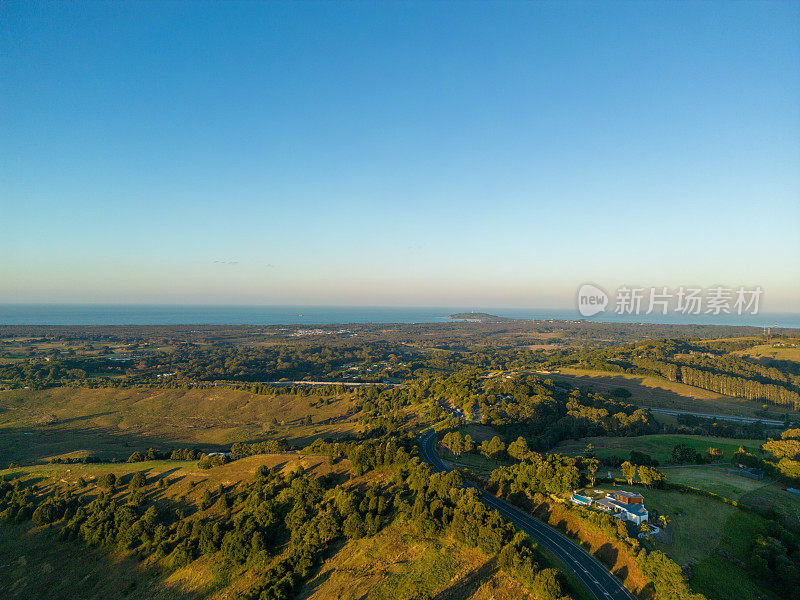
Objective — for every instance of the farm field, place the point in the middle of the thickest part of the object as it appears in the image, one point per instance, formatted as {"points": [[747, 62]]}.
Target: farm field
{"points": [[658, 446], [721, 576], [773, 497], [789, 351], [696, 522], [657, 392], [714, 478], [112, 423]]}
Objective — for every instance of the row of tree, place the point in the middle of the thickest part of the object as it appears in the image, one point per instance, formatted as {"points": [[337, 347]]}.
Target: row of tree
{"points": [[722, 383]]}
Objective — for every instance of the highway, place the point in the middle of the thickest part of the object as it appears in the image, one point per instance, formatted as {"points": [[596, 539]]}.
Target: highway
{"points": [[665, 411], [595, 577]]}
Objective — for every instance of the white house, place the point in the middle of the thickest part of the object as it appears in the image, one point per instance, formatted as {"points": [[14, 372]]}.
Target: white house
{"points": [[628, 506]]}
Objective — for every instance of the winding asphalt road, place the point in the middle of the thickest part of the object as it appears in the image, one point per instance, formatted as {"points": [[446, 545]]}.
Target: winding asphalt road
{"points": [[589, 571]]}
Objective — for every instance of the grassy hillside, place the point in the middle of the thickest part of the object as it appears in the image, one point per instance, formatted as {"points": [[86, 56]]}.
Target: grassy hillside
{"points": [[33, 559], [780, 351], [35, 425], [715, 479], [183, 478], [33, 564], [657, 392], [696, 523], [398, 564], [610, 552], [721, 576], [658, 446]]}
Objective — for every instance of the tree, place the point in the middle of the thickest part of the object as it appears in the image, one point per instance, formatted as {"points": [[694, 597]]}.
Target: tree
{"points": [[592, 464], [663, 520], [354, 527], [621, 393], [628, 471], [650, 476], [136, 457], [138, 480], [453, 442], [683, 454], [493, 448], [519, 449], [715, 454]]}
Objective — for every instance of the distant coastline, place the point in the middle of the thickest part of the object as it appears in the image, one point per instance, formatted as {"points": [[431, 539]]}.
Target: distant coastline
{"points": [[477, 317], [119, 314]]}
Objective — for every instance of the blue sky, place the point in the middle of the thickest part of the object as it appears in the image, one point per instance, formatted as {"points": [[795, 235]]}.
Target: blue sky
{"points": [[440, 153]]}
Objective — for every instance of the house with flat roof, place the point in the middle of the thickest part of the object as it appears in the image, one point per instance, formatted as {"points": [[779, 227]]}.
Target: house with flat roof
{"points": [[622, 504], [605, 505], [627, 497], [636, 513], [627, 506]]}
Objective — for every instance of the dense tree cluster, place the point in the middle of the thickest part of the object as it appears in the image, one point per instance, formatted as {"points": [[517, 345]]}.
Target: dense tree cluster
{"points": [[685, 455], [774, 557], [648, 475], [265, 447], [551, 473], [788, 446], [784, 469], [693, 425], [457, 443]]}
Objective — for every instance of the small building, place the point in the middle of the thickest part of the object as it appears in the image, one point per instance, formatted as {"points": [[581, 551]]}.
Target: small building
{"points": [[627, 497], [582, 500], [749, 472]]}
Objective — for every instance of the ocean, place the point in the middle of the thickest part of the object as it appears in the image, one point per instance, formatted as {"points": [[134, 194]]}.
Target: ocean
{"points": [[151, 314]]}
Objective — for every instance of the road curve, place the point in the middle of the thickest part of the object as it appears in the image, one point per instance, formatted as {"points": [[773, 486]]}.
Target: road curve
{"points": [[595, 577]]}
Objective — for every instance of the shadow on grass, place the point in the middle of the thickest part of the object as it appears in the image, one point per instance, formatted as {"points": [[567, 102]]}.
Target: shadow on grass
{"points": [[32, 445], [469, 583], [34, 563]]}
